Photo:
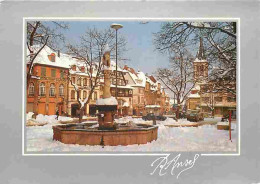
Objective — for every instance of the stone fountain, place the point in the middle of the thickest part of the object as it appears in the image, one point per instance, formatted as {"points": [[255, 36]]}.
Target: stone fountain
{"points": [[105, 132]]}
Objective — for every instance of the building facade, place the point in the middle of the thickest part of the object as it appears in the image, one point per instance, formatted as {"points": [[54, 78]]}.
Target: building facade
{"points": [[50, 88], [203, 96], [47, 87]]}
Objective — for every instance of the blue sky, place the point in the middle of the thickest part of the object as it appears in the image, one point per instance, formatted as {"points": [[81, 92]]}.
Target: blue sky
{"points": [[141, 52]]}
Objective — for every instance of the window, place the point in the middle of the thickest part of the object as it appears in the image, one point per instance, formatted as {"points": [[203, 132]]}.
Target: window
{"points": [[84, 94], [114, 81], [95, 95], [73, 80], [130, 101], [130, 92], [79, 94], [53, 73], [89, 82], [72, 94], [113, 91], [52, 90], [218, 99], [85, 82], [231, 99], [43, 71], [61, 90], [205, 99], [79, 82], [42, 89], [62, 74], [31, 89]]}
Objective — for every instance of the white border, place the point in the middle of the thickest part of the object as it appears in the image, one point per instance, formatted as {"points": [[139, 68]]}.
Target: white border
{"points": [[129, 19]]}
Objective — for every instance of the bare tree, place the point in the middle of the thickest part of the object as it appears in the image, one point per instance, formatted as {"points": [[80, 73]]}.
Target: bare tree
{"points": [[178, 77], [220, 42], [90, 53], [41, 34], [210, 102]]}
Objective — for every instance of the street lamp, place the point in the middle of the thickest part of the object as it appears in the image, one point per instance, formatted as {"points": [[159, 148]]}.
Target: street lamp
{"points": [[116, 27]]}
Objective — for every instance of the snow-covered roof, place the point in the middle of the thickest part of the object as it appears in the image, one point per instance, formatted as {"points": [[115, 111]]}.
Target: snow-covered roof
{"points": [[196, 87], [196, 95], [142, 78], [113, 66], [200, 60], [152, 106], [64, 61], [154, 85]]}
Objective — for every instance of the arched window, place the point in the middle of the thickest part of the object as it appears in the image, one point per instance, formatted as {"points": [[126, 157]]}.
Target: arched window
{"points": [[61, 90], [95, 95], [42, 89], [84, 94], [31, 89], [85, 82], [52, 90], [72, 94], [79, 82]]}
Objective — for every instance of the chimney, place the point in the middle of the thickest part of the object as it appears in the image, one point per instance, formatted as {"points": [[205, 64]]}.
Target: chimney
{"points": [[58, 53], [125, 67]]}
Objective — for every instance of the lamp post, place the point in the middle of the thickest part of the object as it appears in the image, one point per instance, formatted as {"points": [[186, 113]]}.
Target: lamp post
{"points": [[116, 27]]}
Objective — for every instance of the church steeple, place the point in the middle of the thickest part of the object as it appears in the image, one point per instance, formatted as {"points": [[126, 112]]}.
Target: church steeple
{"points": [[201, 54], [200, 65]]}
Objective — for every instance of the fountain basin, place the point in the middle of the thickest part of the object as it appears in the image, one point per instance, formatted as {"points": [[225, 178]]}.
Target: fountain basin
{"points": [[89, 134]]}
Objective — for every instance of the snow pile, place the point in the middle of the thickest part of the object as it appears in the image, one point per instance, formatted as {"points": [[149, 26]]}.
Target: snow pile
{"points": [[223, 123], [29, 115], [170, 121], [131, 119], [51, 119], [63, 118], [107, 101], [46, 119]]}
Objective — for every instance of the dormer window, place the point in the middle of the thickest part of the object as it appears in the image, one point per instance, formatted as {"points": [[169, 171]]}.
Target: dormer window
{"points": [[73, 67], [51, 57], [82, 69]]}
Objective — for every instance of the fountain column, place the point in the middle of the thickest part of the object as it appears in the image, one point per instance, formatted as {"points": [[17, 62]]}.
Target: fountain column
{"points": [[108, 104]]}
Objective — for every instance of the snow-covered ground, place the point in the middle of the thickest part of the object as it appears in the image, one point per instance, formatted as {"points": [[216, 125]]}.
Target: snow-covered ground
{"points": [[204, 138]]}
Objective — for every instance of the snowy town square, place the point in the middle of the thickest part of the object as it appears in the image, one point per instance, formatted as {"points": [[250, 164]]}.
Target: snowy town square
{"points": [[130, 87]]}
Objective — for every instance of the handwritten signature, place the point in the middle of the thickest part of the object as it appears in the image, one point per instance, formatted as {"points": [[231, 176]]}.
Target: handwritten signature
{"points": [[163, 164]]}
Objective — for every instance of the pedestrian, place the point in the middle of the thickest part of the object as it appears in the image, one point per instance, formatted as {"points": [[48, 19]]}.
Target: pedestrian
{"points": [[57, 114]]}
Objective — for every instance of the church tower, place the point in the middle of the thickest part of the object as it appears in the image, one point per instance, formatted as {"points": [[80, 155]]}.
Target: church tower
{"points": [[200, 65]]}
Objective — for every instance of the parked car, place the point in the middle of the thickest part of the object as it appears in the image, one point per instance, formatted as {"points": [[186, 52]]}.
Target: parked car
{"points": [[151, 116], [181, 115], [195, 116]]}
